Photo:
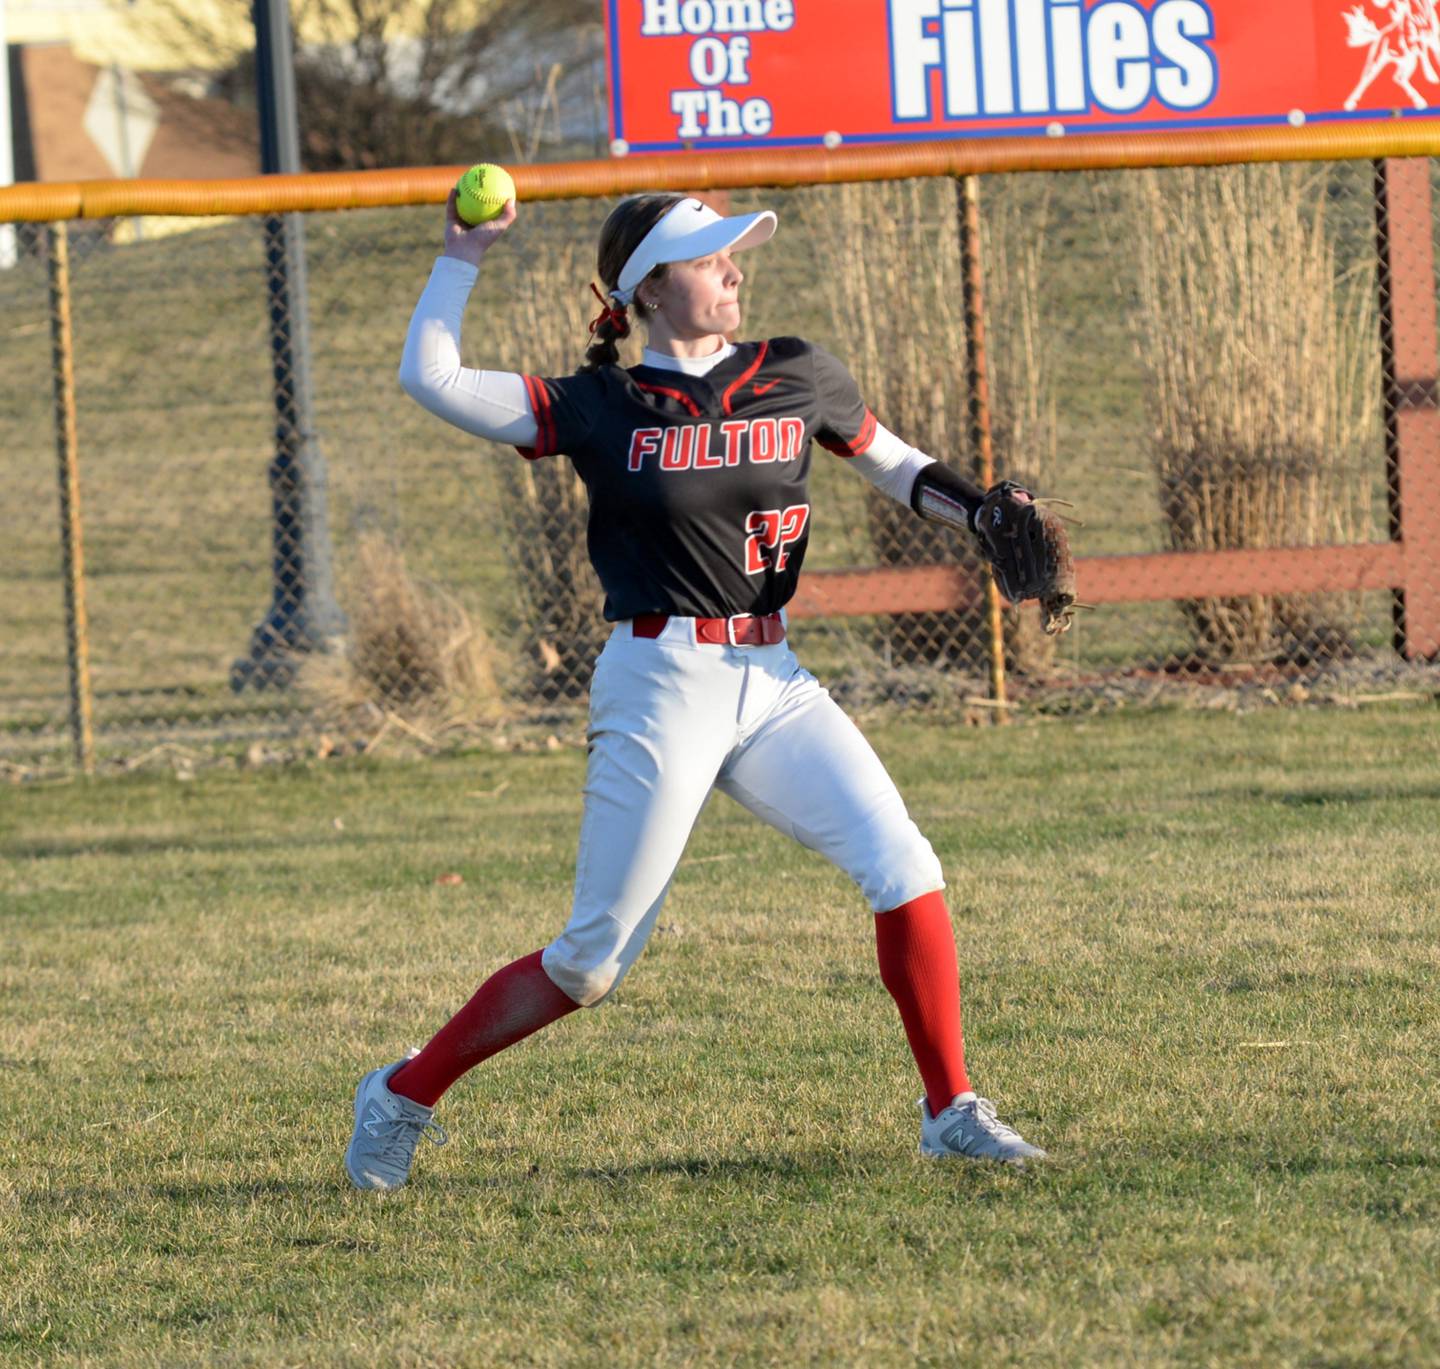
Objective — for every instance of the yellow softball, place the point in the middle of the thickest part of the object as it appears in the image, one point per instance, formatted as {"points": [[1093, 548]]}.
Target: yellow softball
{"points": [[482, 192]]}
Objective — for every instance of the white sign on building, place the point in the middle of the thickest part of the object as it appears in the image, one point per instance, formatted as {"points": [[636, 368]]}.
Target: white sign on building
{"points": [[121, 119]]}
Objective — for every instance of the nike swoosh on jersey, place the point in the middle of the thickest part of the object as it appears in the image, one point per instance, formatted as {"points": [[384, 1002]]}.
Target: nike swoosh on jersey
{"points": [[768, 385]]}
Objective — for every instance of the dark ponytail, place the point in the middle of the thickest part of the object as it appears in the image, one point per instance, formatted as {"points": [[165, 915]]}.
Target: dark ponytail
{"points": [[621, 234], [612, 325]]}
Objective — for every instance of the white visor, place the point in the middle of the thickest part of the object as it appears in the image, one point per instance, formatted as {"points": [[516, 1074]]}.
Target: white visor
{"points": [[687, 231]]}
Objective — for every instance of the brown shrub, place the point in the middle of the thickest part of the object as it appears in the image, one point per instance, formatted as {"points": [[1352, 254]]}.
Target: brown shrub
{"points": [[412, 650], [1264, 389]]}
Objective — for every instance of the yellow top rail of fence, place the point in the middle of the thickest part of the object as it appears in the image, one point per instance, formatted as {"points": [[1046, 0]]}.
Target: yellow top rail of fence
{"points": [[39, 202]]}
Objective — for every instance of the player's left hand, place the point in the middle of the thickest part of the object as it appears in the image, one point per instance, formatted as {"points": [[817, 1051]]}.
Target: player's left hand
{"points": [[1029, 552], [467, 243]]}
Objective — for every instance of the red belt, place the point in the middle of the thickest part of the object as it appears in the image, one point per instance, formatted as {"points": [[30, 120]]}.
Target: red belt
{"points": [[744, 630]]}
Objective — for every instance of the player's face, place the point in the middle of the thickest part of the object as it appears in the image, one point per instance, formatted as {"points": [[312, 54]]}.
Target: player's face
{"points": [[698, 299]]}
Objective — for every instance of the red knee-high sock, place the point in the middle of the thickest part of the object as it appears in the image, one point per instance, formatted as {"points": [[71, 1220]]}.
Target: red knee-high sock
{"points": [[506, 1008], [916, 948]]}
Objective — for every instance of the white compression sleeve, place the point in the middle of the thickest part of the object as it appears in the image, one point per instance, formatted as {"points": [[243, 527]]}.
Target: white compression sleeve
{"points": [[489, 404], [890, 464]]}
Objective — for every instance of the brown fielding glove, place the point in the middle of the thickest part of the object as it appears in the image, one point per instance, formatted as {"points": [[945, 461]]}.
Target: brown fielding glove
{"points": [[1029, 552]]}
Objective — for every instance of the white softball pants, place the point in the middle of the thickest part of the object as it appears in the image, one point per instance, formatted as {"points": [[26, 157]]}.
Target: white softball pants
{"points": [[670, 720]]}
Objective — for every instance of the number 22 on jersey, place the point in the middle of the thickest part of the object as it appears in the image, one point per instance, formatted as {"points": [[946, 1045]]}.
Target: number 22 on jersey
{"points": [[769, 532]]}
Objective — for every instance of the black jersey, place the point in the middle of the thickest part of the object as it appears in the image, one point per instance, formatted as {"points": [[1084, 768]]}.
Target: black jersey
{"points": [[697, 484]]}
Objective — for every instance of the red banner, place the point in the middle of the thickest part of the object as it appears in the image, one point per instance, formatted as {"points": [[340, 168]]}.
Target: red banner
{"points": [[733, 73]]}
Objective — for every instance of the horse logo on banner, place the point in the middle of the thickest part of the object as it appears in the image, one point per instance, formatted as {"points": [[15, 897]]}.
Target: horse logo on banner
{"points": [[1410, 42]]}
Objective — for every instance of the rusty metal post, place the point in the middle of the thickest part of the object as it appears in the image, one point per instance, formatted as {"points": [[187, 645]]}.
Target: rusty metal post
{"points": [[77, 628], [1404, 218], [973, 278]]}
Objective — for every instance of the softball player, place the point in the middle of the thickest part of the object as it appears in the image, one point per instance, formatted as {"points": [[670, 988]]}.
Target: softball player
{"points": [[695, 462]]}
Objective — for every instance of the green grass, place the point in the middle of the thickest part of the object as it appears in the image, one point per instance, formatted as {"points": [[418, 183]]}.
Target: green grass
{"points": [[1199, 963]]}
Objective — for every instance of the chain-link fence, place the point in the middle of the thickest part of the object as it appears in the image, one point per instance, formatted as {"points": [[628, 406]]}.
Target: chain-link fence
{"points": [[1230, 372]]}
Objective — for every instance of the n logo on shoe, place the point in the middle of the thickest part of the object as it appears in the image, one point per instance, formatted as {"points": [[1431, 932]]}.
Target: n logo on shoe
{"points": [[951, 1135], [372, 1124]]}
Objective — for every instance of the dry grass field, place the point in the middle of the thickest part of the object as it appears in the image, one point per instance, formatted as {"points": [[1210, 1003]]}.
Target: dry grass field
{"points": [[1200, 967]]}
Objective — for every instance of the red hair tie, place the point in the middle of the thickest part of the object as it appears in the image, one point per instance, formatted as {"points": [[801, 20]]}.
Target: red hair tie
{"points": [[613, 314]]}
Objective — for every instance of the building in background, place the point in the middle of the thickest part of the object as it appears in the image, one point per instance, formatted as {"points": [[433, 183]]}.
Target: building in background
{"points": [[76, 120], [140, 35], [100, 89]]}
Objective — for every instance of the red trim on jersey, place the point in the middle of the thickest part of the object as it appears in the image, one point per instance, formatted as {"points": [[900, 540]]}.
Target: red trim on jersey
{"points": [[545, 412], [539, 398], [858, 443], [866, 435], [672, 394], [746, 375]]}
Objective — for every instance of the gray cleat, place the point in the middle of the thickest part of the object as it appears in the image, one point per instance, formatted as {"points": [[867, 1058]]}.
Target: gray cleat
{"points": [[387, 1130], [969, 1129]]}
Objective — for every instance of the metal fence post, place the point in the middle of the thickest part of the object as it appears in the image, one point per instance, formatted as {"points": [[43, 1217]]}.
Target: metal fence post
{"points": [[303, 615], [973, 277], [77, 632], [1404, 209]]}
